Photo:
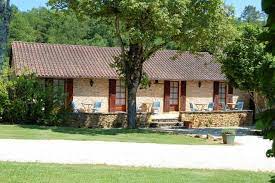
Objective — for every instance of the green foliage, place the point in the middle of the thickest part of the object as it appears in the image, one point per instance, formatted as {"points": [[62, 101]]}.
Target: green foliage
{"points": [[251, 15], [143, 27], [243, 59], [269, 9], [47, 26], [266, 122], [249, 67], [268, 79], [24, 99], [5, 12]]}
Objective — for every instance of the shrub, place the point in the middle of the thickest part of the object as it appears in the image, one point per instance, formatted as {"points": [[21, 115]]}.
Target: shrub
{"points": [[24, 99]]}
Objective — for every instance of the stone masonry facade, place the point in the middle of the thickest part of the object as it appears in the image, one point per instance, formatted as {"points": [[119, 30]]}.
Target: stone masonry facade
{"points": [[84, 93], [151, 94], [105, 120], [218, 118], [196, 94], [198, 119]]}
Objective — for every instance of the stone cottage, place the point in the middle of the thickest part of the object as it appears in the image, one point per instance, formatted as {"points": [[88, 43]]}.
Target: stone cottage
{"points": [[85, 74]]}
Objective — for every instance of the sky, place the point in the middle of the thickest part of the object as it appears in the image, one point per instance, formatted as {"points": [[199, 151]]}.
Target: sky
{"points": [[238, 4]]}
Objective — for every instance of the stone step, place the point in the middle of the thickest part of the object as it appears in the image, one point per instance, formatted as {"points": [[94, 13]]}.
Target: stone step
{"points": [[155, 124], [175, 120]]}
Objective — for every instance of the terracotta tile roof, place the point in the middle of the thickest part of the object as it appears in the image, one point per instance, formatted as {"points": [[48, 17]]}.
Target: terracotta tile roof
{"points": [[72, 61]]}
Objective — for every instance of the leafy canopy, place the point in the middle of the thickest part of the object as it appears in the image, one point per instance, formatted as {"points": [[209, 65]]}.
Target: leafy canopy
{"points": [[189, 23], [243, 59], [143, 27], [47, 26], [251, 14]]}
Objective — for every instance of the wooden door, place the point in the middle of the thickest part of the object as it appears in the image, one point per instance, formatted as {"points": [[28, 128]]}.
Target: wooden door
{"points": [[174, 96], [112, 95], [69, 87], [166, 106], [183, 96], [120, 96], [117, 96]]}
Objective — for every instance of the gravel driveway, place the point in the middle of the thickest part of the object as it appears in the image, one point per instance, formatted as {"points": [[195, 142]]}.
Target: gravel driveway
{"points": [[249, 154]]}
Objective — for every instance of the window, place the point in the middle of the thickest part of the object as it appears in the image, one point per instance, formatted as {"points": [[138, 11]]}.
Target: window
{"points": [[120, 93], [222, 92], [58, 85], [42, 83], [174, 92]]}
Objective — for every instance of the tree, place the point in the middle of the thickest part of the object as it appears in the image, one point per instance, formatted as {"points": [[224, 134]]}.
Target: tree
{"points": [[244, 58], [250, 14], [268, 118], [249, 67], [5, 12], [20, 27], [47, 26], [143, 27], [269, 9]]}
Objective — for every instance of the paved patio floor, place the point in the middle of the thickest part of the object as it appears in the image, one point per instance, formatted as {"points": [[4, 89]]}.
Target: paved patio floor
{"points": [[249, 154]]}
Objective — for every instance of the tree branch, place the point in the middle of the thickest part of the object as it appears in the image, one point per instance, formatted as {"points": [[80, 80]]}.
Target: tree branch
{"points": [[255, 103], [117, 27], [153, 50]]}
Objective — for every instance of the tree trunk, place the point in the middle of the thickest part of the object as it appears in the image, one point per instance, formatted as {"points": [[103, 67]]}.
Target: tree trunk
{"points": [[133, 75], [5, 14], [132, 112]]}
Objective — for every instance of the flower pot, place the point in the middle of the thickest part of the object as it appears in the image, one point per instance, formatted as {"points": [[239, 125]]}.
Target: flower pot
{"points": [[228, 138], [188, 124]]}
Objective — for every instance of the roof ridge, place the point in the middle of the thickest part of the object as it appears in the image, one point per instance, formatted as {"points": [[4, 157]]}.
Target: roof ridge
{"points": [[93, 46], [82, 61], [60, 44]]}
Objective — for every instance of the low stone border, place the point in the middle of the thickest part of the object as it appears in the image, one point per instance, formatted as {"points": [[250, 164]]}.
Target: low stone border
{"points": [[105, 120], [218, 118]]}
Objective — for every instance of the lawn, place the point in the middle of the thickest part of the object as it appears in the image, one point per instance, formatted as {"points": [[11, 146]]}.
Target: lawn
{"points": [[55, 173], [121, 135]]}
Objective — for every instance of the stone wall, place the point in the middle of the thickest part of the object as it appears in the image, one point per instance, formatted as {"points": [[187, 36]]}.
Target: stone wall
{"points": [[241, 95], [84, 93], [153, 93], [104, 120], [204, 94], [87, 94], [196, 94], [218, 118]]}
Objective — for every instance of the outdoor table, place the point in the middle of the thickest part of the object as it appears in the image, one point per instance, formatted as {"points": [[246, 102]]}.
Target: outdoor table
{"points": [[231, 105], [146, 107], [201, 107], [87, 107]]}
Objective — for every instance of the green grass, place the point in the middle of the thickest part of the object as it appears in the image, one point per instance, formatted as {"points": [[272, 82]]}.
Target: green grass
{"points": [[121, 135], [55, 173]]}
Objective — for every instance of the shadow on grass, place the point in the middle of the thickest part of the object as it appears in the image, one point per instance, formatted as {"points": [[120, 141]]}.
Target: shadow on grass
{"points": [[272, 180], [91, 132]]}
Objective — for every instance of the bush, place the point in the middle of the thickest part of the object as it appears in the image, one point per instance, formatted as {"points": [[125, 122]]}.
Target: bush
{"points": [[24, 99]]}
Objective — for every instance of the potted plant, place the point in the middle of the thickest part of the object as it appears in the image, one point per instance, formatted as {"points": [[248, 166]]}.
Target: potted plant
{"points": [[188, 124], [228, 136]]}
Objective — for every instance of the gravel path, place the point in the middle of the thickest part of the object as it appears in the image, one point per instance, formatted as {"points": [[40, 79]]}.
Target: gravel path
{"points": [[249, 154]]}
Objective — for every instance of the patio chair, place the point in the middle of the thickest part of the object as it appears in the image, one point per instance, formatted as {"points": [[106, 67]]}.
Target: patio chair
{"points": [[138, 106], [210, 106], [156, 107], [239, 105], [193, 108], [74, 108], [224, 107], [97, 106]]}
